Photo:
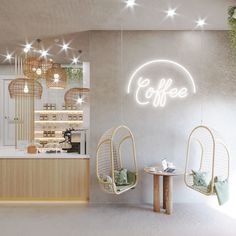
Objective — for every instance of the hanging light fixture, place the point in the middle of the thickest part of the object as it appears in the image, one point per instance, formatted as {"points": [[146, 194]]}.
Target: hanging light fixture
{"points": [[35, 66], [77, 96], [56, 77], [23, 87]]}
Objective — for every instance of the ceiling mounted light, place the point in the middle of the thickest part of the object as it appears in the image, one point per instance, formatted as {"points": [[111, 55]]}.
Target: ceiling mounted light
{"points": [[170, 13], [201, 22], [75, 60], [27, 47], [64, 47], [130, 3], [44, 53], [8, 57]]}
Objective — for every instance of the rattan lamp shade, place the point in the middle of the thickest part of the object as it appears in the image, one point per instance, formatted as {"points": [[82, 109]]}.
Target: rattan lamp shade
{"points": [[35, 68], [56, 77], [22, 87], [77, 96]]}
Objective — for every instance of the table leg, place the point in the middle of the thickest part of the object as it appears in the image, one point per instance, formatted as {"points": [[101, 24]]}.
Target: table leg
{"points": [[156, 193], [167, 189], [164, 194]]}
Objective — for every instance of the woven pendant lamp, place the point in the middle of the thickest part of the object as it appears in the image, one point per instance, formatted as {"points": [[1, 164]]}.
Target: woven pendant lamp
{"points": [[23, 87], [56, 77], [35, 68], [77, 96]]}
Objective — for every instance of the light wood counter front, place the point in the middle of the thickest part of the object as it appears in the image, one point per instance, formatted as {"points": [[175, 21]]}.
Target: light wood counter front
{"points": [[44, 179]]}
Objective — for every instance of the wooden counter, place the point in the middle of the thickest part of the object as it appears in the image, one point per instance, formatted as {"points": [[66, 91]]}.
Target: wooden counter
{"points": [[52, 178]]}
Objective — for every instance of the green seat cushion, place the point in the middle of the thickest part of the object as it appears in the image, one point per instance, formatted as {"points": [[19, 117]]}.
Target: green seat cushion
{"points": [[131, 177], [121, 177], [222, 190], [200, 178], [124, 177]]}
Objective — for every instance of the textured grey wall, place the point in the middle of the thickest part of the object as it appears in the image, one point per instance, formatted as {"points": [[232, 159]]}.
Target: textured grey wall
{"points": [[160, 132]]}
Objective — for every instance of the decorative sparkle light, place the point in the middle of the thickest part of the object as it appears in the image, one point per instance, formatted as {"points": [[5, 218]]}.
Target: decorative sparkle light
{"points": [[201, 22], [44, 53], [8, 57], [170, 13], [80, 100], [27, 47], [64, 46], [75, 60], [130, 3]]}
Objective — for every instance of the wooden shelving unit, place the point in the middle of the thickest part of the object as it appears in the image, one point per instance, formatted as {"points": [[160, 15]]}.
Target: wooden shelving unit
{"points": [[50, 124]]}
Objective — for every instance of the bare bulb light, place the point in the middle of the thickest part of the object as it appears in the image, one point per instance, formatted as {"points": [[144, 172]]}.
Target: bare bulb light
{"points": [[26, 89], [201, 22], [38, 71], [56, 78]]}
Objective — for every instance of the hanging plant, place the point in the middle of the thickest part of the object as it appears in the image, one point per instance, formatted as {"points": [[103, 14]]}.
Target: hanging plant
{"points": [[232, 23], [74, 73]]}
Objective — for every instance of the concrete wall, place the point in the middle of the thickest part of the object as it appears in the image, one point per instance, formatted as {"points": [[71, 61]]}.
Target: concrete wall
{"points": [[160, 132]]}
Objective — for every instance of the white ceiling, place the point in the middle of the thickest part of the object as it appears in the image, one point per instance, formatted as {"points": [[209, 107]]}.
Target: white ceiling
{"points": [[46, 18]]}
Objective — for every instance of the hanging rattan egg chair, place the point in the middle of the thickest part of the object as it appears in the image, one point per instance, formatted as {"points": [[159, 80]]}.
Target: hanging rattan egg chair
{"points": [[116, 151], [207, 151]]}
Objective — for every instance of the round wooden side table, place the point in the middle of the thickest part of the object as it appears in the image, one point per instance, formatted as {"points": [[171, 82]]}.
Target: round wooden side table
{"points": [[167, 188]]}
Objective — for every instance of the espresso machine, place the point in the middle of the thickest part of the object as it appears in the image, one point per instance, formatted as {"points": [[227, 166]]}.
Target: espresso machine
{"points": [[75, 141]]}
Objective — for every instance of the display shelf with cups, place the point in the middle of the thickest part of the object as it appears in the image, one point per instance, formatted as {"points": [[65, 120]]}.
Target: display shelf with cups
{"points": [[50, 122]]}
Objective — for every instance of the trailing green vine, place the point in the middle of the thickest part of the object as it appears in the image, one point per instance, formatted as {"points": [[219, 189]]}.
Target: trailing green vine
{"points": [[74, 73], [232, 23]]}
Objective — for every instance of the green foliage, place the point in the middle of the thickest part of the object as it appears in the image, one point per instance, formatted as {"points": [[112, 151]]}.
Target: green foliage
{"points": [[74, 73], [232, 23], [231, 20]]}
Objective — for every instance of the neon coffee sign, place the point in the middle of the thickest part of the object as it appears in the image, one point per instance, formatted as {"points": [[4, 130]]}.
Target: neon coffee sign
{"points": [[158, 91]]}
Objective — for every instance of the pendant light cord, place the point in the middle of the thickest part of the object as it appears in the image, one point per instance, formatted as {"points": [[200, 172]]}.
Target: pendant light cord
{"points": [[121, 73]]}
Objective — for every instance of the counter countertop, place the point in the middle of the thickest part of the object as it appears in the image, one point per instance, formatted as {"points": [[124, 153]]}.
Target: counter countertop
{"points": [[12, 153]]}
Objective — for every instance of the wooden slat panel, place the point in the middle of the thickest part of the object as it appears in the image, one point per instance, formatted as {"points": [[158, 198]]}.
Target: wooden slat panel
{"points": [[44, 179]]}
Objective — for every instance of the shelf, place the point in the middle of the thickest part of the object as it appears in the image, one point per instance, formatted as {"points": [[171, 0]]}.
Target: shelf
{"points": [[41, 132], [58, 121], [49, 138], [58, 111]]}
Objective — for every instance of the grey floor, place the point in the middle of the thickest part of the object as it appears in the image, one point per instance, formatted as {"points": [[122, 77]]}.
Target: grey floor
{"points": [[109, 220]]}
